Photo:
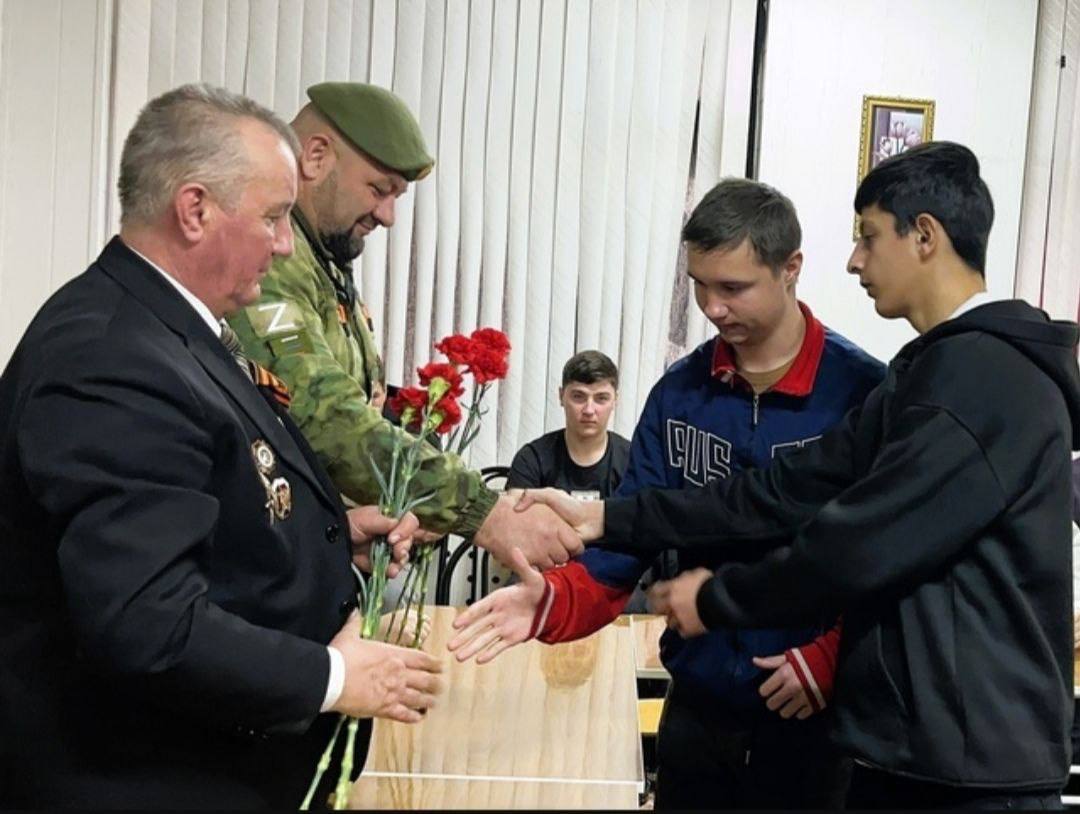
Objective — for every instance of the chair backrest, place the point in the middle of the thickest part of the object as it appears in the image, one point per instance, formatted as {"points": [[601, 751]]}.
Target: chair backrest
{"points": [[491, 474], [482, 575]]}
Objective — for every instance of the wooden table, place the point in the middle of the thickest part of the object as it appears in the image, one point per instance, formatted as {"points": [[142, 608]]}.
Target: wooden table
{"points": [[647, 630], [540, 727]]}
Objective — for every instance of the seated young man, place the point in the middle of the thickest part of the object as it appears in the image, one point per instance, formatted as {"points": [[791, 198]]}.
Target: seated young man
{"points": [[585, 459], [772, 381]]}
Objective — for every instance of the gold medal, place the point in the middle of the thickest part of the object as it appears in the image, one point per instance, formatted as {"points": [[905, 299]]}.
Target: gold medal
{"points": [[279, 498], [278, 491], [264, 457]]}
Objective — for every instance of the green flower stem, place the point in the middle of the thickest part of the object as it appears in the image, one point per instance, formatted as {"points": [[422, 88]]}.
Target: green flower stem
{"points": [[406, 587], [409, 598], [324, 764], [380, 559], [393, 470], [467, 433], [415, 582], [341, 792], [424, 565]]}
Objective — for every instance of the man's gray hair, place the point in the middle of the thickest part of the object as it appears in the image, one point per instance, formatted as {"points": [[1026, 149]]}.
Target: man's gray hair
{"points": [[189, 134]]}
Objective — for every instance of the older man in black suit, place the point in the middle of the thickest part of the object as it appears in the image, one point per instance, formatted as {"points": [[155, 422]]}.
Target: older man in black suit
{"points": [[173, 560]]}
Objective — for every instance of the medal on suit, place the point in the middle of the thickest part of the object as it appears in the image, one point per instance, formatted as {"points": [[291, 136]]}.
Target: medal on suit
{"points": [[278, 490]]}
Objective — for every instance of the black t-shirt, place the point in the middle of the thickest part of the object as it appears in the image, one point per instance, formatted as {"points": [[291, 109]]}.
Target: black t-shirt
{"points": [[547, 462]]}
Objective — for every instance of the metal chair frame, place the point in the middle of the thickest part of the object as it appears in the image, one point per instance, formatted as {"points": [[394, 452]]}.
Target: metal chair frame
{"points": [[447, 562]]}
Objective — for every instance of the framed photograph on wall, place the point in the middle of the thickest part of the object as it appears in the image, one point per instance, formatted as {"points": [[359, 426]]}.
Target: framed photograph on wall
{"points": [[890, 126]]}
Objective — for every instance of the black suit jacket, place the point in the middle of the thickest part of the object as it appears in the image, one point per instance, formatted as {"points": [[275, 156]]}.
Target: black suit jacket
{"points": [[162, 641]]}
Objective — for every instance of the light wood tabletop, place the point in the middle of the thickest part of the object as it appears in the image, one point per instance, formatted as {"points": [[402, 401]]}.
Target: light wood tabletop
{"points": [[416, 792], [647, 630], [539, 727]]}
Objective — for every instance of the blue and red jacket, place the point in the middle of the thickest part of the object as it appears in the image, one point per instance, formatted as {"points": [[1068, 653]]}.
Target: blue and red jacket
{"points": [[702, 421]]}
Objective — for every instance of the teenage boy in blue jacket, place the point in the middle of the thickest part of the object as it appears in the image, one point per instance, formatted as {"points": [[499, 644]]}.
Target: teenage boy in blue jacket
{"points": [[773, 380]]}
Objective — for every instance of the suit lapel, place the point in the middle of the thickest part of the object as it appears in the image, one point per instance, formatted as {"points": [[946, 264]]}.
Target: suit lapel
{"points": [[309, 455], [224, 370], [145, 283]]}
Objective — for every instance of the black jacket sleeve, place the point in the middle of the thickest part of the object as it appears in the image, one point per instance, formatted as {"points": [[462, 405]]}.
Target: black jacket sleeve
{"points": [[929, 493], [130, 481], [754, 510]]}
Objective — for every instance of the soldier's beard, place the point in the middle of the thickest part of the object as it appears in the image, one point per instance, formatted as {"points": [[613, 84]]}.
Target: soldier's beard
{"points": [[344, 247]]}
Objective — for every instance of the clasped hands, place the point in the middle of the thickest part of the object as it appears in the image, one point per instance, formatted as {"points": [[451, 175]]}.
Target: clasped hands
{"points": [[676, 599], [548, 527], [506, 617]]}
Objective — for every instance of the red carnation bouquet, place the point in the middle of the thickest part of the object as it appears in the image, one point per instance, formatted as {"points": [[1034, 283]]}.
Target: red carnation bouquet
{"points": [[429, 409], [484, 356]]}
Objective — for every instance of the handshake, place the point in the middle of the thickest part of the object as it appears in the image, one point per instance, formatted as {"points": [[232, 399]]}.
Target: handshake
{"points": [[547, 525], [517, 613], [529, 530], [526, 529]]}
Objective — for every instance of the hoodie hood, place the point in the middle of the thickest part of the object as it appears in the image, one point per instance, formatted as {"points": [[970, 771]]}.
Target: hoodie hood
{"points": [[1050, 344]]}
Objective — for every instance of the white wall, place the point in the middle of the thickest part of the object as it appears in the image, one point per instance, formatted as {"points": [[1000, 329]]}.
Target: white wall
{"points": [[972, 57]]}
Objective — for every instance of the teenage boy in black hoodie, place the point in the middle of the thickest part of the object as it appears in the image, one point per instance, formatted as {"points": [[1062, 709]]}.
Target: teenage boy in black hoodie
{"points": [[935, 517]]}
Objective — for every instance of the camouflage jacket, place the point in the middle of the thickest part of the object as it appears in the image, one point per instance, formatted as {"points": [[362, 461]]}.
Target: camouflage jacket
{"points": [[309, 329]]}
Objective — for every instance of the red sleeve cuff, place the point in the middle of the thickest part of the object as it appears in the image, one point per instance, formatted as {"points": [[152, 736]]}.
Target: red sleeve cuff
{"points": [[575, 605], [815, 666]]}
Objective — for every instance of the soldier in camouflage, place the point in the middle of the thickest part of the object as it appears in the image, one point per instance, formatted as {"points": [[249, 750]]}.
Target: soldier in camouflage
{"points": [[360, 148]]}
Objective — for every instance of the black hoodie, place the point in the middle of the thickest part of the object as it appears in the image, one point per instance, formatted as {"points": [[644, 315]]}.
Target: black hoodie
{"points": [[936, 517]]}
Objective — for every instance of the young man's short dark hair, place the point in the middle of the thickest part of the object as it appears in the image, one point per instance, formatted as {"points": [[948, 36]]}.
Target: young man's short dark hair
{"points": [[939, 178], [590, 367], [737, 209]]}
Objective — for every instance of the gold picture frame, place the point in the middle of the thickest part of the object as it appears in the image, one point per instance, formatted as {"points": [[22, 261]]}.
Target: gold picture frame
{"points": [[890, 126]]}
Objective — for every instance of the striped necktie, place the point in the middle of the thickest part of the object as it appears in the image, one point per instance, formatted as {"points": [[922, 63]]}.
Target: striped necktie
{"points": [[232, 344]]}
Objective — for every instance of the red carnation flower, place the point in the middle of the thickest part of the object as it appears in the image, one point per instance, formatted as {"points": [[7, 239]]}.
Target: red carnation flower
{"points": [[448, 412], [491, 339], [489, 355], [441, 370], [457, 348], [409, 404], [488, 365]]}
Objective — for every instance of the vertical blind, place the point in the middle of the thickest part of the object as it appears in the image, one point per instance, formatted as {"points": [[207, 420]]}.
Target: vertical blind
{"points": [[564, 133], [1048, 268], [571, 137]]}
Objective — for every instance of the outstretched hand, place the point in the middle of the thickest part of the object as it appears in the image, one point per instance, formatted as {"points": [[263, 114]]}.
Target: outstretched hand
{"points": [[501, 619]]}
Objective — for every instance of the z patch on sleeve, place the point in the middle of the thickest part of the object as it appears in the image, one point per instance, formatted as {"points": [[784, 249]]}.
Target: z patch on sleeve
{"points": [[281, 326]]}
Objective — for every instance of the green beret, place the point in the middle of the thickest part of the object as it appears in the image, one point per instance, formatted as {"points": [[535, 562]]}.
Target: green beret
{"points": [[377, 122]]}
